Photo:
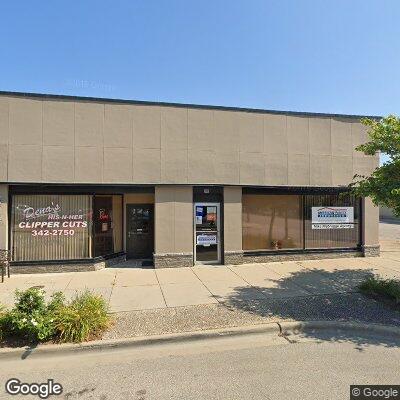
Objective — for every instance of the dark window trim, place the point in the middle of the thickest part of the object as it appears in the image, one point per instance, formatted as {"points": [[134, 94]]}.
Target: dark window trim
{"points": [[123, 217], [69, 262], [215, 196], [92, 233], [250, 253], [78, 189], [302, 193], [295, 190], [303, 214], [9, 212]]}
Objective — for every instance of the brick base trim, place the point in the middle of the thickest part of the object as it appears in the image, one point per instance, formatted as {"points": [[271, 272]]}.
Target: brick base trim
{"points": [[233, 257], [173, 260], [54, 268], [371, 250], [264, 258]]}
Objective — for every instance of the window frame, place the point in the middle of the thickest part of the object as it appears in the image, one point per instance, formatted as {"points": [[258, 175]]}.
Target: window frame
{"points": [[30, 191], [303, 192]]}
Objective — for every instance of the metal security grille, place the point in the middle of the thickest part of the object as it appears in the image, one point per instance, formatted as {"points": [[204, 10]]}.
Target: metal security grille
{"points": [[331, 238], [51, 227], [275, 222]]}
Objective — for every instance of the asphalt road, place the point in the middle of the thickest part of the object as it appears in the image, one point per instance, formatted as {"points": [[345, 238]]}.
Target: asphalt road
{"points": [[257, 366]]}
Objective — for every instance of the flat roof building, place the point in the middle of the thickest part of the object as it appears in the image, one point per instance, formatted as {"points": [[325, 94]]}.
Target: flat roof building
{"points": [[86, 182]]}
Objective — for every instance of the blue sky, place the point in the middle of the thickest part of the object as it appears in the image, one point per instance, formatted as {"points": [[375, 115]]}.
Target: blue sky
{"points": [[325, 56]]}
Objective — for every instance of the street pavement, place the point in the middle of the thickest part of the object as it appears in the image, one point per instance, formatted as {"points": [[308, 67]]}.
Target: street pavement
{"points": [[254, 366]]}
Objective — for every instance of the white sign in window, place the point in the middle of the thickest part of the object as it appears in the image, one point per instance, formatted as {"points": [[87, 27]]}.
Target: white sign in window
{"points": [[206, 240], [332, 217]]}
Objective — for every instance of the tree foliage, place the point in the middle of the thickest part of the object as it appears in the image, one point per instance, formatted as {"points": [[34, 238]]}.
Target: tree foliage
{"points": [[383, 186]]}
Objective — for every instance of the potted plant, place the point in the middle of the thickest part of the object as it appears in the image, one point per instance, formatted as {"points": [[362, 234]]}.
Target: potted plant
{"points": [[275, 244]]}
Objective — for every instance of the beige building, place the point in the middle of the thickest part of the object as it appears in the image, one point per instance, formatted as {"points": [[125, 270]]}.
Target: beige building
{"points": [[85, 182]]}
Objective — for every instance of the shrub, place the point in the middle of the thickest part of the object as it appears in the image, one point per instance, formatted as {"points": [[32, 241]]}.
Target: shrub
{"points": [[389, 288], [33, 319], [30, 318], [84, 318], [2, 315]]}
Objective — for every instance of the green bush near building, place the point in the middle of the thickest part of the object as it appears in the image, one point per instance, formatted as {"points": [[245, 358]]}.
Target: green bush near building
{"points": [[84, 318], [387, 288], [35, 320]]}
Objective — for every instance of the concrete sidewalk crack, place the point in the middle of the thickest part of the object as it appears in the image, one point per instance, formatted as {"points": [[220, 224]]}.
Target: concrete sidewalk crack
{"points": [[283, 335], [161, 290], [208, 290], [112, 289]]}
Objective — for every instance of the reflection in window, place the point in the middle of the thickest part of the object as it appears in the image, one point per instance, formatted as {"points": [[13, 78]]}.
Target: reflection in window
{"points": [[51, 227], [272, 222], [107, 220], [275, 222], [340, 235]]}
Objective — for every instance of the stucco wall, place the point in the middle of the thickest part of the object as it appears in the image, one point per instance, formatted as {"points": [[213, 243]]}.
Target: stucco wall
{"points": [[173, 219], [232, 218], [370, 223], [3, 217], [71, 141]]}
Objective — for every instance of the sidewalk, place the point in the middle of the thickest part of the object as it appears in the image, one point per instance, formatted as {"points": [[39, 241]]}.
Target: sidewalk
{"points": [[157, 302], [139, 289]]}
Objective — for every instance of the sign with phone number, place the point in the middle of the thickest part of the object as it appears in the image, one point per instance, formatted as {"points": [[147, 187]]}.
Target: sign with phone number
{"points": [[53, 222], [53, 232]]}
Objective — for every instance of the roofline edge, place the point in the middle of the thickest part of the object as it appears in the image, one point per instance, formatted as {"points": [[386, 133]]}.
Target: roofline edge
{"points": [[181, 105]]}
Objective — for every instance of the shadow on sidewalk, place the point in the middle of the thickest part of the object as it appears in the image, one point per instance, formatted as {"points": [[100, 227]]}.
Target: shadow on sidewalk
{"points": [[339, 301]]}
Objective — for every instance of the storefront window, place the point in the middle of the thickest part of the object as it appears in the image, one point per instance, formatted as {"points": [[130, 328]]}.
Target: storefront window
{"points": [[51, 227], [272, 222], [65, 227], [331, 221], [276, 222], [107, 219]]}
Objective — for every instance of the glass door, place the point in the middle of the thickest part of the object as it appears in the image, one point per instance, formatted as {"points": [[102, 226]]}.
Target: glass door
{"points": [[207, 244]]}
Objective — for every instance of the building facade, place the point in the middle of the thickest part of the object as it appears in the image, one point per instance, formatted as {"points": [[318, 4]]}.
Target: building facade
{"points": [[88, 182]]}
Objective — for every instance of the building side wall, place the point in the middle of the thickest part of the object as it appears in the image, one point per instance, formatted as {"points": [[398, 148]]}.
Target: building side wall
{"points": [[3, 217], [386, 213], [370, 228], [68, 141], [233, 250], [173, 226]]}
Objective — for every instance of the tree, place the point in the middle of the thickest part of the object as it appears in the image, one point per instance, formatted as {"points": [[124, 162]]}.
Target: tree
{"points": [[383, 186]]}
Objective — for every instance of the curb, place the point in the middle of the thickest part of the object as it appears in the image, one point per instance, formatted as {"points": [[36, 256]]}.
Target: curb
{"points": [[278, 328], [295, 327], [56, 349]]}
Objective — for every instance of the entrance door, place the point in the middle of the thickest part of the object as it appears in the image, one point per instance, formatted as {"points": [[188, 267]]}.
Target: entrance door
{"points": [[139, 230], [207, 242]]}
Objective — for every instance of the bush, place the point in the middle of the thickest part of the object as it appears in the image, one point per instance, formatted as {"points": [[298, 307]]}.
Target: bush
{"points": [[33, 320], [2, 314], [84, 318], [389, 288]]}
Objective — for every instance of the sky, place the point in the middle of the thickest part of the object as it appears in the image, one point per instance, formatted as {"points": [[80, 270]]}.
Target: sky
{"points": [[336, 56]]}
